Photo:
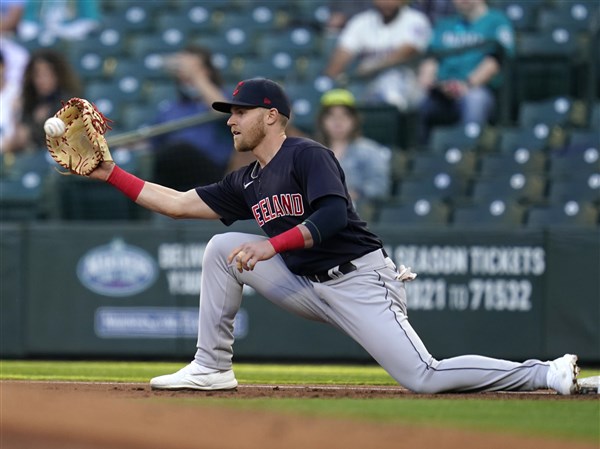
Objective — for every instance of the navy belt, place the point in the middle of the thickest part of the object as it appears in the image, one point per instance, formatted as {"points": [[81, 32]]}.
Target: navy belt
{"points": [[334, 273]]}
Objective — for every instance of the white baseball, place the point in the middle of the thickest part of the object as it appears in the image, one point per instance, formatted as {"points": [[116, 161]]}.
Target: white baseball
{"points": [[54, 127]]}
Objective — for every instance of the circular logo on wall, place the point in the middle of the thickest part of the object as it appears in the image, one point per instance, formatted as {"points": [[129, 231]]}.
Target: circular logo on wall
{"points": [[117, 269]]}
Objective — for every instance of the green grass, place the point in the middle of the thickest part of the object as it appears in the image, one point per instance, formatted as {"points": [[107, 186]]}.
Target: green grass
{"points": [[567, 419]]}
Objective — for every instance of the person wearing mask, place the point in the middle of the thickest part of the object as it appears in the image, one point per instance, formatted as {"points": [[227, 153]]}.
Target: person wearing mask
{"points": [[365, 162], [382, 39], [197, 154], [463, 77]]}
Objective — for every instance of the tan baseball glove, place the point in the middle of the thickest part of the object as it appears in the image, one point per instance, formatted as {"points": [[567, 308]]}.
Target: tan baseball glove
{"points": [[82, 146]]}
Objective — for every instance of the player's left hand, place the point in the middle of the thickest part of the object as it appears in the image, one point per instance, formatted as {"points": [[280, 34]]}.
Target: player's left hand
{"points": [[246, 256]]}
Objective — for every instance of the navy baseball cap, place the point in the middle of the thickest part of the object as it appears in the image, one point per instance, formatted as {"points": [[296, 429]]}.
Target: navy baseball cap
{"points": [[257, 93]]}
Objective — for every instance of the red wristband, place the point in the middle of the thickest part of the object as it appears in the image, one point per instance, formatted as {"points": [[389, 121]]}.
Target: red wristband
{"points": [[288, 240], [127, 183]]}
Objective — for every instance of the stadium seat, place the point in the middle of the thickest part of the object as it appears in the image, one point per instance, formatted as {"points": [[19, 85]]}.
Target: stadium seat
{"points": [[141, 45], [382, 123], [20, 198], [570, 213], [464, 137], [522, 14], [532, 139], [78, 198], [574, 164], [136, 115], [454, 161], [305, 99], [520, 161], [579, 188], [421, 212], [298, 41], [188, 20], [277, 66], [233, 42], [496, 213], [583, 139], [439, 186], [517, 187], [575, 16], [552, 112], [543, 65]]}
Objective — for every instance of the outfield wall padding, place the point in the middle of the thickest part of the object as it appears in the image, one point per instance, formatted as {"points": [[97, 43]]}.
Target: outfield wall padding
{"points": [[130, 290]]}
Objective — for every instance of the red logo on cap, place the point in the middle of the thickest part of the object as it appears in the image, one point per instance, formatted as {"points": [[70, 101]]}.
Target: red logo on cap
{"points": [[237, 89], [266, 101]]}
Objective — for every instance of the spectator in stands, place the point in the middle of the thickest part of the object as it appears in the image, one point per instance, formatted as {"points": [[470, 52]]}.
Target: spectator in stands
{"points": [[462, 84], [365, 162], [48, 21], [434, 9], [198, 154], [382, 39], [340, 11], [9, 93], [48, 80]]}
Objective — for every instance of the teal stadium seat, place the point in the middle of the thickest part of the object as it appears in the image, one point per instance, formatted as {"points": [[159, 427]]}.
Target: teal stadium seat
{"points": [[580, 188], [521, 160], [495, 214], [420, 212], [543, 66], [551, 112], [464, 137], [440, 186], [297, 41], [569, 213], [514, 138], [517, 187], [574, 164], [454, 161]]}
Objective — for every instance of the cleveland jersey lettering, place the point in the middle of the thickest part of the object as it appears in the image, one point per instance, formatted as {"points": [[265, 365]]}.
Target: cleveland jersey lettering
{"points": [[277, 206]]}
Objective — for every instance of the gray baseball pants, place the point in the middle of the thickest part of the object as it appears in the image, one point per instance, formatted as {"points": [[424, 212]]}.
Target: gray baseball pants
{"points": [[368, 304]]}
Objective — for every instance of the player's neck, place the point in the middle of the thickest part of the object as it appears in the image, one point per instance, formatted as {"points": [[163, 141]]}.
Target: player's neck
{"points": [[268, 148]]}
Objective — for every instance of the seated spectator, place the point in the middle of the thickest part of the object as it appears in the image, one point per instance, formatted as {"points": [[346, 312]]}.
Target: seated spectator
{"points": [[48, 21], [197, 154], [365, 162], [381, 39], [49, 79], [462, 85]]}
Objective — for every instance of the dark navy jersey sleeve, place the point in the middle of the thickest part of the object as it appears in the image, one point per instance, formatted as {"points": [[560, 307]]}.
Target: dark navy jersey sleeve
{"points": [[226, 197], [319, 173]]}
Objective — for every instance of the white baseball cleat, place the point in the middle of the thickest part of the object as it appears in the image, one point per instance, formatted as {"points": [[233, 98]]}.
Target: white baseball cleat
{"points": [[190, 377], [589, 385], [562, 375]]}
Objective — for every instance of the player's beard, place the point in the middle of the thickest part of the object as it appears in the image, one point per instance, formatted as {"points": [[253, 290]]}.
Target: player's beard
{"points": [[250, 139]]}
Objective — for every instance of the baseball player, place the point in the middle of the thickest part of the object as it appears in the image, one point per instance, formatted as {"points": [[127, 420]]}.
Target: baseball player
{"points": [[318, 260]]}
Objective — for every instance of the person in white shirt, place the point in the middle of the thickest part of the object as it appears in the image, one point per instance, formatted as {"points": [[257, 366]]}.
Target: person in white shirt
{"points": [[381, 40]]}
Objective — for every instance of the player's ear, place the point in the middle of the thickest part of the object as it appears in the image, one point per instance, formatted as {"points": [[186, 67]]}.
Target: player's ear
{"points": [[272, 116]]}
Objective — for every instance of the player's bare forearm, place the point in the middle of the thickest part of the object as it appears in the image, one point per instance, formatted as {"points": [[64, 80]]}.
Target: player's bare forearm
{"points": [[174, 204], [246, 256], [161, 199]]}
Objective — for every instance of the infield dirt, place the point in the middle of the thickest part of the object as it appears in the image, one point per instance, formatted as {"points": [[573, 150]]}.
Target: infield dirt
{"points": [[63, 415]]}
